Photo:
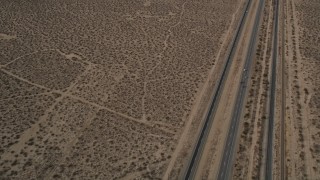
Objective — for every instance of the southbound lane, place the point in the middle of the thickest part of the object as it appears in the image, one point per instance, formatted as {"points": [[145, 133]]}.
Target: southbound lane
{"points": [[227, 159]]}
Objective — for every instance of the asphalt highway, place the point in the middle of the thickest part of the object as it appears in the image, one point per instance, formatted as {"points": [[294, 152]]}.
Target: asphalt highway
{"points": [[226, 163], [283, 96], [197, 152], [269, 159]]}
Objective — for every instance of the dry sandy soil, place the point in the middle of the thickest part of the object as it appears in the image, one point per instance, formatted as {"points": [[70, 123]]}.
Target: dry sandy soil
{"points": [[104, 89], [299, 55], [303, 95]]}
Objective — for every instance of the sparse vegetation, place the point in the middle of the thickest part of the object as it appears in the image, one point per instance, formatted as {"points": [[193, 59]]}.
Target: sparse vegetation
{"points": [[302, 53], [249, 155], [101, 89]]}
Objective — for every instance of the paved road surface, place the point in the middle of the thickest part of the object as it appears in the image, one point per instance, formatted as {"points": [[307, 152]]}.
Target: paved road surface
{"points": [[197, 152], [226, 163], [269, 159], [283, 105]]}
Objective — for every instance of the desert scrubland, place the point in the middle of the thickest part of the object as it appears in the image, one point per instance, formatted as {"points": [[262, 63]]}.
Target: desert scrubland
{"points": [[298, 82], [104, 89], [303, 99]]}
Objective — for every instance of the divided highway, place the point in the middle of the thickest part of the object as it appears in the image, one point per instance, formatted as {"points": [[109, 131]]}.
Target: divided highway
{"points": [[215, 101], [197, 152], [226, 163]]}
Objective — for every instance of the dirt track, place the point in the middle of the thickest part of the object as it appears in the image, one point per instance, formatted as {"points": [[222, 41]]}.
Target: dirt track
{"points": [[303, 84]]}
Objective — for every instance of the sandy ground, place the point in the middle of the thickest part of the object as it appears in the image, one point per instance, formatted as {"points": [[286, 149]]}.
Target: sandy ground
{"points": [[118, 90], [297, 100], [102, 90], [302, 149]]}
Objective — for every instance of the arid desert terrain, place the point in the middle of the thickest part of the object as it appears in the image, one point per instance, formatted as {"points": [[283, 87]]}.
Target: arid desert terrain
{"points": [[159, 89], [103, 89]]}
